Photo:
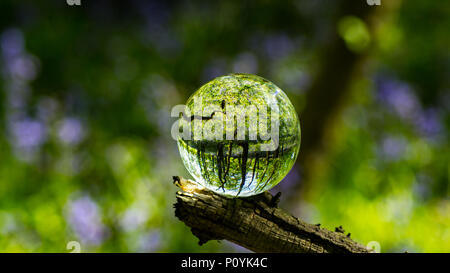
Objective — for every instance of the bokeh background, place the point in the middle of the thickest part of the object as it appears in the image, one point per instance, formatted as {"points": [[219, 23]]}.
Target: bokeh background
{"points": [[86, 93]]}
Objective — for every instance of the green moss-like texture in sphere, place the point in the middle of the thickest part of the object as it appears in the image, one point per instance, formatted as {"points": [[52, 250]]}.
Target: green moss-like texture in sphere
{"points": [[235, 148]]}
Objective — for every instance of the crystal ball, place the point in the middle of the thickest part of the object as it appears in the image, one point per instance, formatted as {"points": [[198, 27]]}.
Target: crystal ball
{"points": [[239, 135]]}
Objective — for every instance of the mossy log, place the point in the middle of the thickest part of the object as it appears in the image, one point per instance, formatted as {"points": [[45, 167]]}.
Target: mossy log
{"points": [[255, 223]]}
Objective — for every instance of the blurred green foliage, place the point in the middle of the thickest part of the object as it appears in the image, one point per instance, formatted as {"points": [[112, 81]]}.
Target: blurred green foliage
{"points": [[85, 99]]}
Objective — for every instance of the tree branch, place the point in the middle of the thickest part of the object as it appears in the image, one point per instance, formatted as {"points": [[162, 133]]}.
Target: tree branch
{"points": [[255, 223]]}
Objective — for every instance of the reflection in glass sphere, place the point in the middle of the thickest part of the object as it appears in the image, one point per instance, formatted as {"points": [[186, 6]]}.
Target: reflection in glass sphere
{"points": [[239, 135]]}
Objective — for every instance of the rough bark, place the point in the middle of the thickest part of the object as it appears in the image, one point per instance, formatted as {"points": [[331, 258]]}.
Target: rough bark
{"points": [[255, 223]]}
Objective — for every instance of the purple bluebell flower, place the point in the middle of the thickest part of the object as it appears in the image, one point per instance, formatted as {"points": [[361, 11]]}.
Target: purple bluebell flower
{"points": [[28, 133], [133, 218], [150, 241], [296, 80], [71, 131], [399, 97], [17, 63], [47, 108], [12, 43], [428, 123], [23, 67], [245, 63], [8, 223], [277, 46], [216, 68], [421, 187], [85, 219], [291, 179], [237, 248], [392, 148], [18, 93], [157, 31], [154, 12]]}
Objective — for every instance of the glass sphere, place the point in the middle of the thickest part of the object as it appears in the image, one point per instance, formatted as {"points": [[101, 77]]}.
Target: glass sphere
{"points": [[239, 135]]}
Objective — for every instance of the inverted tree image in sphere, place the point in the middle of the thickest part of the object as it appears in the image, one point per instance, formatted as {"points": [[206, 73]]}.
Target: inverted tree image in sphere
{"points": [[239, 135]]}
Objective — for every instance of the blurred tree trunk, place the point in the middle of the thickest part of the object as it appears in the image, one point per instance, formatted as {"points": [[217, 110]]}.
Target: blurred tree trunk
{"points": [[328, 92]]}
